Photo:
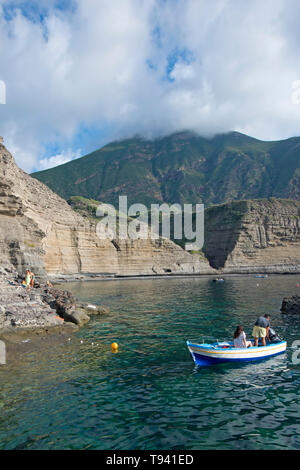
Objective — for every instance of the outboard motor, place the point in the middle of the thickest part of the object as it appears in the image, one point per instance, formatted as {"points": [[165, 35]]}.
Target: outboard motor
{"points": [[273, 336]]}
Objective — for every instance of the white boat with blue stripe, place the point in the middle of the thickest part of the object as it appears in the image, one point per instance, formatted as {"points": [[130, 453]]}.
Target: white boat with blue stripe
{"points": [[215, 353]]}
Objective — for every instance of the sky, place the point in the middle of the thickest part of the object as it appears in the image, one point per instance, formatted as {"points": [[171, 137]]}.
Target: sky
{"points": [[77, 74]]}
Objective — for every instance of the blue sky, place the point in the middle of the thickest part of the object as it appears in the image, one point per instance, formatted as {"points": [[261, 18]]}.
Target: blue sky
{"points": [[80, 73]]}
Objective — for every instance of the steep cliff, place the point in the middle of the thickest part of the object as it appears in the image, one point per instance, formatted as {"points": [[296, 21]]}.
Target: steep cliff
{"points": [[40, 230], [251, 236]]}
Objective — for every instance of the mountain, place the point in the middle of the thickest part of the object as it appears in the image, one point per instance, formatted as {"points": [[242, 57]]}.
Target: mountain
{"points": [[182, 168]]}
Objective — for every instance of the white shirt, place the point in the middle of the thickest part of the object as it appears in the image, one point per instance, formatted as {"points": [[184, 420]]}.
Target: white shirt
{"points": [[239, 342]]}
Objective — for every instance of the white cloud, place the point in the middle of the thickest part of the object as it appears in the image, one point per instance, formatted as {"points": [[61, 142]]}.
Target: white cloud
{"points": [[182, 72], [146, 66], [58, 159]]}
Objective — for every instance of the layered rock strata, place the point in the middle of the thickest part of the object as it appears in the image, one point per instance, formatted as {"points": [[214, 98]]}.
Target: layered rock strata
{"points": [[254, 236], [40, 230]]}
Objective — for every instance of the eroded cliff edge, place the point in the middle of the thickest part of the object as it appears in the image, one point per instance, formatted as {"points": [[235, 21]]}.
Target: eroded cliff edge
{"points": [[40, 230], [253, 236]]}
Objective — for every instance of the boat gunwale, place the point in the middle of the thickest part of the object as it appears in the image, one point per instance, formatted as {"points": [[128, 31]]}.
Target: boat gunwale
{"points": [[231, 351]]}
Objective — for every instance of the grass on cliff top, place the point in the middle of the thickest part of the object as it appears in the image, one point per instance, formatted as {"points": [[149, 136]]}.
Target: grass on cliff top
{"points": [[88, 207], [221, 215]]}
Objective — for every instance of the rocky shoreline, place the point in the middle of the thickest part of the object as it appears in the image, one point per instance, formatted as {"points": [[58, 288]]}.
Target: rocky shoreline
{"points": [[41, 310], [46, 310], [85, 277]]}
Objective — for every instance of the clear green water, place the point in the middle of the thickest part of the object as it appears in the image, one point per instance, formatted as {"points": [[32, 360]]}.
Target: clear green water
{"points": [[69, 395]]}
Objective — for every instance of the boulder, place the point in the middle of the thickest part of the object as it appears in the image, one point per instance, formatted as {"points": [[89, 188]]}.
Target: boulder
{"points": [[103, 310], [291, 305], [37, 309], [78, 316]]}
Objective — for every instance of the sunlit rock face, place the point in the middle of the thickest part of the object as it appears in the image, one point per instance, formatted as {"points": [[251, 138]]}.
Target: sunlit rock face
{"points": [[253, 236], [40, 230]]}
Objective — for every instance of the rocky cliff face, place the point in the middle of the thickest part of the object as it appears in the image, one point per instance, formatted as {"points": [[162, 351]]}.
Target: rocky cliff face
{"points": [[40, 230], [252, 236]]}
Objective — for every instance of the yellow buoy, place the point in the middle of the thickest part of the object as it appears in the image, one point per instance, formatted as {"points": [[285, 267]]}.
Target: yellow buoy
{"points": [[114, 347]]}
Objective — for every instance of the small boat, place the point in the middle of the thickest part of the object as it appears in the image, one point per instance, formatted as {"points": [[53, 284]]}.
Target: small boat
{"points": [[215, 353], [261, 276], [219, 280]]}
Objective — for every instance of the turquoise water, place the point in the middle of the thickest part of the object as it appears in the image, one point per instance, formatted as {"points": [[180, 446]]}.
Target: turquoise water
{"points": [[73, 395]]}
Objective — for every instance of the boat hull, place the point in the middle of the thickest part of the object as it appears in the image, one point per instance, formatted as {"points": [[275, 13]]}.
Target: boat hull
{"points": [[207, 355]]}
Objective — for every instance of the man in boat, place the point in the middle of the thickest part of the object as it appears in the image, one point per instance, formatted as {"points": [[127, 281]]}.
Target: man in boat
{"points": [[261, 330]]}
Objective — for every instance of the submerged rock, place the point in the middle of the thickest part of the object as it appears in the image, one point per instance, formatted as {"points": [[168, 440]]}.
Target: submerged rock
{"points": [[91, 309], [291, 305], [80, 313]]}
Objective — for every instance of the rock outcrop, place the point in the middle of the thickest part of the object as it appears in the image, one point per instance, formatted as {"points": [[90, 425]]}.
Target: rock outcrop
{"points": [[291, 305], [22, 308], [254, 236], [42, 307], [40, 230]]}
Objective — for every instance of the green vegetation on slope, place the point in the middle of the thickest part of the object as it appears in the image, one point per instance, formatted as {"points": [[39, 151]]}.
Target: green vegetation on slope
{"points": [[88, 208], [182, 168]]}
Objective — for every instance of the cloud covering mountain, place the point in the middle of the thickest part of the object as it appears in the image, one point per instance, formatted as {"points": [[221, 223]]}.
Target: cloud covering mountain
{"points": [[81, 73]]}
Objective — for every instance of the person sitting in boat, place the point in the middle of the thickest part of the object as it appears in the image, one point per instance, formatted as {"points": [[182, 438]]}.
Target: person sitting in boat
{"points": [[261, 330], [239, 338]]}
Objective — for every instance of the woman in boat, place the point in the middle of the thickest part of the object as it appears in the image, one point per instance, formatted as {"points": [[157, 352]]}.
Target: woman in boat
{"points": [[239, 338]]}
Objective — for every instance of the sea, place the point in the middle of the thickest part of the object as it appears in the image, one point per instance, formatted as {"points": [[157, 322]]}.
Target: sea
{"points": [[75, 393]]}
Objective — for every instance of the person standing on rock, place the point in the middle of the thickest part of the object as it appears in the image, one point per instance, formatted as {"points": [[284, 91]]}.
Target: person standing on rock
{"points": [[32, 279], [28, 279], [261, 330]]}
